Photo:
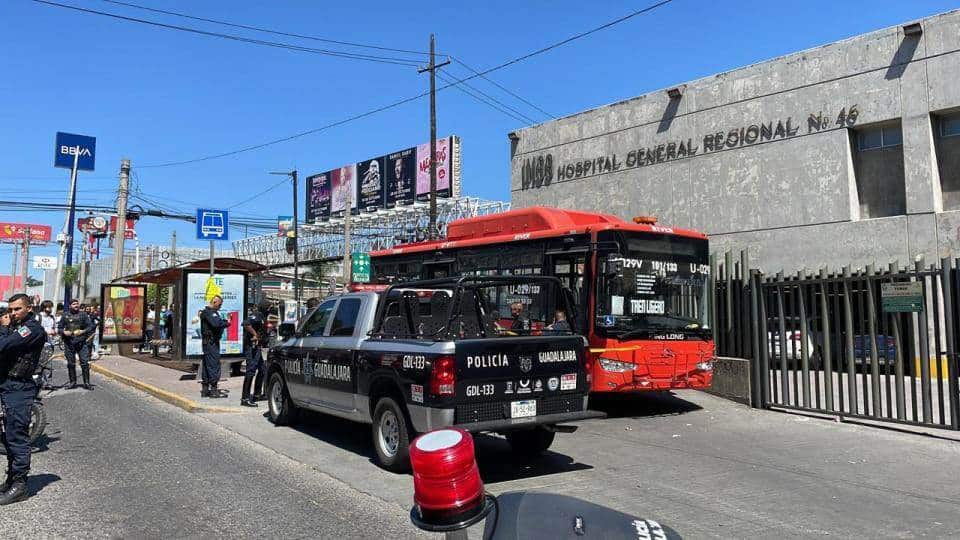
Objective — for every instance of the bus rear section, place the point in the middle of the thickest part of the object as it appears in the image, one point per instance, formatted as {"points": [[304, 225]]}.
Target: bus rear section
{"points": [[650, 329]]}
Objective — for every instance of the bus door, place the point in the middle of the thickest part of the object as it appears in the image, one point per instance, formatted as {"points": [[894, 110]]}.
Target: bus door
{"points": [[570, 268]]}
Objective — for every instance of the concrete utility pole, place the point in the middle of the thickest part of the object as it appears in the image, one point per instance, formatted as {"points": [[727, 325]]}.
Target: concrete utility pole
{"points": [[26, 259], [173, 249], [122, 192], [432, 68], [346, 241], [13, 269]]}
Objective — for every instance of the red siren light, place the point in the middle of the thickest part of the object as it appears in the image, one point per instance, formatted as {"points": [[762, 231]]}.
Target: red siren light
{"points": [[447, 490]]}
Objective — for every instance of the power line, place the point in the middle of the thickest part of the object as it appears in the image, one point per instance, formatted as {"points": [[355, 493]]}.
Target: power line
{"points": [[412, 98], [486, 99], [266, 30], [252, 197], [501, 87], [275, 44]]}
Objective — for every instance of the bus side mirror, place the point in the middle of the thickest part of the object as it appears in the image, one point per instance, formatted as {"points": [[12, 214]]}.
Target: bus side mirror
{"points": [[287, 330]]}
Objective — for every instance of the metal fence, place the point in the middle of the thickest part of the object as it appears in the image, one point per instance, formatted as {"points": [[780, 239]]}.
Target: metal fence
{"points": [[878, 344]]}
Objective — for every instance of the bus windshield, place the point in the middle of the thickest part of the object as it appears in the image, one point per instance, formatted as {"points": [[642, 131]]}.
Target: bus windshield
{"points": [[652, 285]]}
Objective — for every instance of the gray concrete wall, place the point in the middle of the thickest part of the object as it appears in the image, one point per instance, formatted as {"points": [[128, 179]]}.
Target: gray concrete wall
{"points": [[781, 180]]}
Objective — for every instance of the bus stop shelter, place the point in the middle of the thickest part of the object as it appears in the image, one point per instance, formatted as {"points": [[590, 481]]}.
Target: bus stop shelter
{"points": [[187, 283]]}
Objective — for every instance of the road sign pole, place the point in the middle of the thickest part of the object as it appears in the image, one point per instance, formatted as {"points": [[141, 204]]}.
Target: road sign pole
{"points": [[211, 258], [65, 245]]}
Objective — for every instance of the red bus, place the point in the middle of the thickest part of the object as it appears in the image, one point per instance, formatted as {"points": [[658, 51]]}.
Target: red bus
{"points": [[641, 289]]}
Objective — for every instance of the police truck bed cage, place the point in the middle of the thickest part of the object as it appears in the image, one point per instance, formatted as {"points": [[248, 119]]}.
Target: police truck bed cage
{"points": [[455, 308]]}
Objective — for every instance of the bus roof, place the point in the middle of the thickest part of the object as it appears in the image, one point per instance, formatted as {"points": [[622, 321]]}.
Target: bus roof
{"points": [[530, 224]]}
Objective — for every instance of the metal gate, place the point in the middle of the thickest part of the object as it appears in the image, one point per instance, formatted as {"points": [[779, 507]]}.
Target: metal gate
{"points": [[873, 344]]}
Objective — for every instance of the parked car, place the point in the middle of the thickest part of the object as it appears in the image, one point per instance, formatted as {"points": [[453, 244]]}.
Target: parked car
{"points": [[794, 341]]}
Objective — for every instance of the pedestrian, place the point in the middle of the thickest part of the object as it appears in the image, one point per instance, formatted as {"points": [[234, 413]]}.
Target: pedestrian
{"points": [[20, 351], [254, 341], [162, 321], [75, 327], [212, 326], [47, 320], [520, 322], [93, 339], [148, 328]]}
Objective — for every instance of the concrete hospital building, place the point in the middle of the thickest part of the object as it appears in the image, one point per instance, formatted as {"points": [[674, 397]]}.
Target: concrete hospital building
{"points": [[846, 153]]}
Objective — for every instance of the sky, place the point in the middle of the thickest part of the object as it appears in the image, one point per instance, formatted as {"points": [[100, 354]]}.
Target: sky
{"points": [[156, 95]]}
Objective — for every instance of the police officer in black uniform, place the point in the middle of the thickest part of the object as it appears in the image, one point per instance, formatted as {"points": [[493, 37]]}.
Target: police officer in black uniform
{"points": [[212, 326], [254, 338], [20, 352], [75, 327]]}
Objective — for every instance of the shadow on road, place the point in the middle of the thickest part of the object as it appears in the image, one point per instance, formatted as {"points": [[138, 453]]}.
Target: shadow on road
{"points": [[37, 482], [341, 433], [498, 463], [642, 405], [43, 443]]}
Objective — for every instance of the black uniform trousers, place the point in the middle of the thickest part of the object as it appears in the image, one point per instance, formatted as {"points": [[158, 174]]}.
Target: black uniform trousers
{"points": [[255, 367], [211, 363], [17, 396], [73, 349]]}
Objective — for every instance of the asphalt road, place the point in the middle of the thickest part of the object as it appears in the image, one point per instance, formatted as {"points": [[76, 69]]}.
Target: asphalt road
{"points": [[117, 463]]}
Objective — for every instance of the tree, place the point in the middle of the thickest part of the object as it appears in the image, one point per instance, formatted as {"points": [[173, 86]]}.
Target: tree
{"points": [[71, 274]]}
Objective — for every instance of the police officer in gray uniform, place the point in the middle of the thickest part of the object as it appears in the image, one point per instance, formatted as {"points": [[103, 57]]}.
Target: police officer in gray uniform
{"points": [[20, 352], [212, 326], [75, 327]]}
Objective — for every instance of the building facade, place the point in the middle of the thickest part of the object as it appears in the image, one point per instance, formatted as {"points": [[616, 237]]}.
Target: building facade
{"points": [[848, 153]]}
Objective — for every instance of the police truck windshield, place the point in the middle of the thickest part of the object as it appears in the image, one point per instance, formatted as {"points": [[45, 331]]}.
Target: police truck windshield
{"points": [[652, 286]]}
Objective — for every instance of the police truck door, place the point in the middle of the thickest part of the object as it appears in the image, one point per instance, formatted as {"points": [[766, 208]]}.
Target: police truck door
{"points": [[300, 381], [334, 372]]}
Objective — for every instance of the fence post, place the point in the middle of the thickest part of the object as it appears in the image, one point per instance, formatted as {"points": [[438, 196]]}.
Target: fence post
{"points": [[728, 339], [898, 372], [877, 409], [714, 323], [782, 339], [745, 329], [923, 338], [764, 343], [947, 271], [853, 404], [757, 374], [804, 353], [826, 359]]}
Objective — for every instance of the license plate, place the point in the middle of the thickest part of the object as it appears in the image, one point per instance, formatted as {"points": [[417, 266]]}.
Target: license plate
{"points": [[523, 409]]}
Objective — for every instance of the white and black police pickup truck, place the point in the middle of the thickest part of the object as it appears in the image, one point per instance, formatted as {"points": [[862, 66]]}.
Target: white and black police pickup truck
{"points": [[428, 354]]}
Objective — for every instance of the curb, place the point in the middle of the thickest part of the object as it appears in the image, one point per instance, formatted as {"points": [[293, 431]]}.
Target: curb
{"points": [[174, 399]]}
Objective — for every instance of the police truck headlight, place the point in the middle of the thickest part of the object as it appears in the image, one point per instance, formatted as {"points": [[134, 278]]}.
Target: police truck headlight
{"points": [[616, 366]]}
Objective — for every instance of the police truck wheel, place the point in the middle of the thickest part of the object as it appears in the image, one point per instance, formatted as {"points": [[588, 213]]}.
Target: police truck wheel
{"points": [[38, 421], [281, 408], [530, 443], [391, 436]]}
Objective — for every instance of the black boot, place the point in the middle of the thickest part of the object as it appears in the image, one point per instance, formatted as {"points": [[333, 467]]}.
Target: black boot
{"points": [[215, 392], [85, 371], [72, 374], [205, 390], [245, 398], [6, 483], [16, 492], [258, 386]]}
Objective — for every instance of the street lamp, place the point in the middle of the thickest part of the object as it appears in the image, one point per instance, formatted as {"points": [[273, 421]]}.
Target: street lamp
{"points": [[296, 238]]}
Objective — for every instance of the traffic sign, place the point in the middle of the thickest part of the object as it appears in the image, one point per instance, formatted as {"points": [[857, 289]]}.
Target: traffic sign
{"points": [[67, 145], [44, 263], [360, 267], [212, 224]]}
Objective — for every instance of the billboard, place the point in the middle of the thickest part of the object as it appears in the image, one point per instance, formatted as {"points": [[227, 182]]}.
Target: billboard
{"points": [[129, 233], [318, 197], [284, 225], [444, 169], [123, 310], [396, 179], [12, 233], [94, 225], [69, 145], [233, 291], [401, 178], [343, 187], [370, 177]]}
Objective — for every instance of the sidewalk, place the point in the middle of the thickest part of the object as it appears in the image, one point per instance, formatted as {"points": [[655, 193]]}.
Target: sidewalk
{"points": [[170, 385]]}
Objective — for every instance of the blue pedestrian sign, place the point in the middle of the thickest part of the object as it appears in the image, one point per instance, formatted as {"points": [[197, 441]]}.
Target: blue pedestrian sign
{"points": [[69, 144], [212, 224]]}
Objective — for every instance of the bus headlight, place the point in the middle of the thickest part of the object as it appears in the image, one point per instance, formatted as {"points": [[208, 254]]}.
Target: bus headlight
{"points": [[616, 366], [705, 366]]}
